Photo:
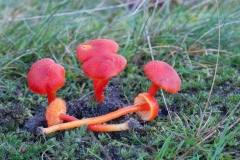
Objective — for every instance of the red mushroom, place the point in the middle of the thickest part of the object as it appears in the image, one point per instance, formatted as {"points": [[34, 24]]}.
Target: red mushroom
{"points": [[145, 105], [46, 77], [162, 76], [90, 49], [100, 69], [56, 113]]}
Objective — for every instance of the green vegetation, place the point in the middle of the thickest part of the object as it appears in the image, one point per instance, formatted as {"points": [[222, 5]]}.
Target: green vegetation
{"points": [[200, 39]]}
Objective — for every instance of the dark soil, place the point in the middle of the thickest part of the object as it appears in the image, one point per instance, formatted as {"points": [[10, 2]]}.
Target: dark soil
{"points": [[87, 107], [36, 121], [84, 108]]}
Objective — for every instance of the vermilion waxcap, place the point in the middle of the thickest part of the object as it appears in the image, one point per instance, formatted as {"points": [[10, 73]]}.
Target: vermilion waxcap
{"points": [[46, 77], [104, 66], [163, 75], [87, 50]]}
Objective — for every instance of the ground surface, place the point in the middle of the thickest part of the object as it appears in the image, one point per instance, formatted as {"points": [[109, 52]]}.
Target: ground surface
{"points": [[199, 39]]}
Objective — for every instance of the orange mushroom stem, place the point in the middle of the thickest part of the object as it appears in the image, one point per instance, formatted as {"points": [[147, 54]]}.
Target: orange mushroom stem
{"points": [[51, 96], [108, 127], [128, 125], [66, 117], [153, 89], [145, 105], [99, 86]]}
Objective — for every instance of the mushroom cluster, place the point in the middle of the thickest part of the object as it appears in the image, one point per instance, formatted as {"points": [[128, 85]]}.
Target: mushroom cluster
{"points": [[99, 62]]}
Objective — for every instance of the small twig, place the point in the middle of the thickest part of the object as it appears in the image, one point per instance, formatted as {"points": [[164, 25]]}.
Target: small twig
{"points": [[185, 154], [200, 128], [199, 5], [193, 52], [100, 145], [214, 129], [205, 51], [234, 123], [135, 11], [205, 138], [149, 44], [165, 103], [44, 153], [176, 47]]}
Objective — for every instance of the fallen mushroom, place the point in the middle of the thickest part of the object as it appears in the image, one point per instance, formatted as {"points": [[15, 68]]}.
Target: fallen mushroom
{"points": [[90, 49], [100, 69], [162, 76], [145, 105], [46, 77], [128, 125], [56, 113]]}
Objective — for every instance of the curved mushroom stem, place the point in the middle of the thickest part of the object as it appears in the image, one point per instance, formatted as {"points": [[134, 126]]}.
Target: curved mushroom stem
{"points": [[66, 117], [108, 127], [153, 89], [99, 86], [128, 125], [51, 96], [98, 127], [94, 120]]}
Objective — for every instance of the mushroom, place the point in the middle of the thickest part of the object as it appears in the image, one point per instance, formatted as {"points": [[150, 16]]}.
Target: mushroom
{"points": [[162, 76], [90, 49], [46, 77], [145, 105], [100, 69], [56, 113]]}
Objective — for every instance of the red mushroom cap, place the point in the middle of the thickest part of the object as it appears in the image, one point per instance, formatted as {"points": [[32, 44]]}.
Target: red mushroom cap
{"points": [[163, 75], [46, 76], [104, 66], [87, 50]]}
